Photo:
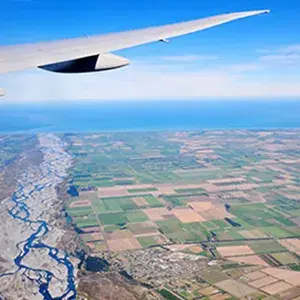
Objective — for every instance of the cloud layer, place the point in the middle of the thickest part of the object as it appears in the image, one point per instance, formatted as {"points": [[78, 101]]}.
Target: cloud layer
{"points": [[174, 77]]}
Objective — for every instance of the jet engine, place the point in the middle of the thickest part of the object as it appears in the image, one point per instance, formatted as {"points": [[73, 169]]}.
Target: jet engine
{"points": [[95, 63]]}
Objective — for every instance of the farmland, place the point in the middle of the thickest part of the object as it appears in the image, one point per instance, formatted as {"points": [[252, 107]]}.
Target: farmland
{"points": [[232, 195]]}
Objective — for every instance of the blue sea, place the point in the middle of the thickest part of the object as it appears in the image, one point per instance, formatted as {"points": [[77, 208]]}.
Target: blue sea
{"points": [[85, 116]]}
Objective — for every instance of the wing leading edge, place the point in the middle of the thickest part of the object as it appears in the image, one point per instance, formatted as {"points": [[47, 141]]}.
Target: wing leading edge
{"points": [[20, 57]]}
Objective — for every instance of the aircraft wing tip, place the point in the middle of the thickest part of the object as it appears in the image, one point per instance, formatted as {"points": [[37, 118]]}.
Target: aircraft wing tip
{"points": [[260, 12]]}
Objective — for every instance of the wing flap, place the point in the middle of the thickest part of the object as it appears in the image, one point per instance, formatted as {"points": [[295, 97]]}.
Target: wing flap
{"points": [[15, 58]]}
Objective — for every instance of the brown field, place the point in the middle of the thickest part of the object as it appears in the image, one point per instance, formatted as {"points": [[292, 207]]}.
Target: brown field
{"points": [[99, 247], [235, 288], [91, 245], [235, 187], [146, 234], [140, 201], [187, 186], [123, 244], [206, 151], [291, 244], [255, 275], [115, 191], [292, 277], [256, 198], [179, 247], [216, 213], [166, 189], [276, 288], [139, 187], [97, 236], [88, 195], [119, 234], [169, 216], [90, 237], [227, 180], [160, 239], [156, 214], [252, 234], [252, 260], [290, 196], [203, 198], [91, 229], [209, 291], [259, 283], [228, 251], [238, 194], [256, 179], [290, 294], [187, 215], [296, 221], [195, 249], [81, 203], [201, 206], [219, 297], [293, 188]]}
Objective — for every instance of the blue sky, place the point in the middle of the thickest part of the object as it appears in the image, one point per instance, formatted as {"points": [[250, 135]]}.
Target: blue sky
{"points": [[255, 57]]}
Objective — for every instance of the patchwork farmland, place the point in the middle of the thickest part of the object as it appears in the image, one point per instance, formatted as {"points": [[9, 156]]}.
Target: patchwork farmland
{"points": [[223, 195]]}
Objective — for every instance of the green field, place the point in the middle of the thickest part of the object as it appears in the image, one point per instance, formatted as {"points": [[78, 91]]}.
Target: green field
{"points": [[190, 157], [276, 232], [263, 247], [176, 200], [153, 201], [110, 228], [136, 216], [116, 204], [190, 191], [168, 295], [119, 218], [261, 215], [86, 221], [80, 211], [147, 241], [113, 218], [181, 233], [285, 258]]}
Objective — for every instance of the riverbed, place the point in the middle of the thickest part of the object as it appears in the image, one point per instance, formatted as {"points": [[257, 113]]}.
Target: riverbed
{"points": [[34, 267]]}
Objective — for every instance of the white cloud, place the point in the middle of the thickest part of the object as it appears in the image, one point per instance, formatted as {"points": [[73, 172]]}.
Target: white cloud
{"points": [[273, 74], [288, 58], [285, 55], [242, 68], [146, 82], [290, 49]]}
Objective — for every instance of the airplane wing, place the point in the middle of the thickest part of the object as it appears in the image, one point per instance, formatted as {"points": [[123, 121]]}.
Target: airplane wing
{"points": [[90, 54]]}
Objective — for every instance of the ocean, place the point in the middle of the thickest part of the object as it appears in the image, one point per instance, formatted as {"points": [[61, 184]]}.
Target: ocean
{"points": [[87, 116]]}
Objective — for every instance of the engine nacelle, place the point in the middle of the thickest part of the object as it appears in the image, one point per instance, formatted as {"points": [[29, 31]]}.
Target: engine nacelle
{"points": [[95, 63]]}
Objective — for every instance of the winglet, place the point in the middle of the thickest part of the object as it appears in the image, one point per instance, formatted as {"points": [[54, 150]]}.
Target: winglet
{"points": [[164, 41], [266, 11]]}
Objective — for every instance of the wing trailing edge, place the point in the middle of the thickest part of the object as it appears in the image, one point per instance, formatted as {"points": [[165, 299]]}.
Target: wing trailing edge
{"points": [[20, 57]]}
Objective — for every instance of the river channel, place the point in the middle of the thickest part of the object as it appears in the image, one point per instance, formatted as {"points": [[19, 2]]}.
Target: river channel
{"points": [[23, 210]]}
